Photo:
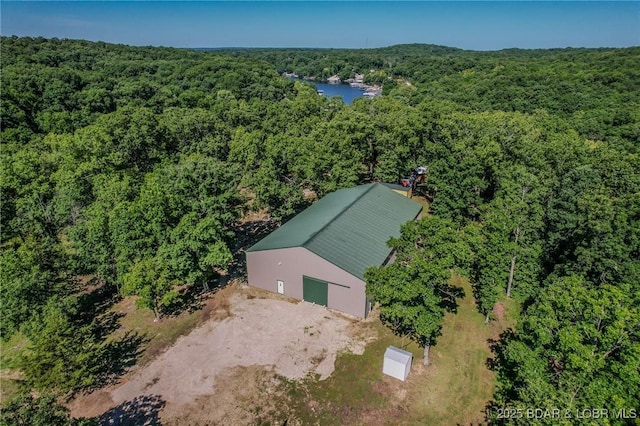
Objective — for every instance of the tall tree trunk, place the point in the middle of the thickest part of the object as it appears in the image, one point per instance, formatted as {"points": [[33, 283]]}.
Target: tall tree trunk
{"points": [[114, 273], [156, 311], [513, 264], [511, 270], [425, 361], [486, 318]]}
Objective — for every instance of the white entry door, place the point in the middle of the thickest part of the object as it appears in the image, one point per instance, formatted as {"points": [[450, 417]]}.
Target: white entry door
{"points": [[280, 287]]}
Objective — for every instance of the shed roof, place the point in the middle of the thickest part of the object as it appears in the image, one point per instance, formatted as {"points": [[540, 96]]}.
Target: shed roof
{"points": [[398, 355], [349, 227]]}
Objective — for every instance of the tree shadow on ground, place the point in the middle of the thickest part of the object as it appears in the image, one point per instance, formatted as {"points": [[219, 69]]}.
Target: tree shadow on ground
{"points": [[122, 354], [141, 411], [190, 298], [503, 369], [113, 360], [193, 297], [106, 323], [95, 301], [450, 296], [497, 347], [247, 234], [113, 351]]}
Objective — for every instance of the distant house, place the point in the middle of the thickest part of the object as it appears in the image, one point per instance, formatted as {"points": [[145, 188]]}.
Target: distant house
{"points": [[321, 254]]}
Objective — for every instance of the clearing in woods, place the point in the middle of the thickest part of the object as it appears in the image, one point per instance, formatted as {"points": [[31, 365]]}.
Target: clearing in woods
{"points": [[269, 359], [454, 389]]}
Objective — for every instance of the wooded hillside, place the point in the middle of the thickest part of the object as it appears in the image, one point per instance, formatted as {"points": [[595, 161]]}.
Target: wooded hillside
{"points": [[129, 167]]}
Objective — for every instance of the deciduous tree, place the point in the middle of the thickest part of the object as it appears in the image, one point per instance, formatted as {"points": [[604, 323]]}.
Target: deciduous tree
{"points": [[413, 291], [577, 346]]}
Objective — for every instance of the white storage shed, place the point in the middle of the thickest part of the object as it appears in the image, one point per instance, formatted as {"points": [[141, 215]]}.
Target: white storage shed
{"points": [[397, 363]]}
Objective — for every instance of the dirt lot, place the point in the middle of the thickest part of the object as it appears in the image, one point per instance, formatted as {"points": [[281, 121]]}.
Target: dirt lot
{"points": [[265, 339]]}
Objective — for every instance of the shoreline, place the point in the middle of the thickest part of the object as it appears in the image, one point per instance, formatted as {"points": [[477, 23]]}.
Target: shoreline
{"points": [[368, 90]]}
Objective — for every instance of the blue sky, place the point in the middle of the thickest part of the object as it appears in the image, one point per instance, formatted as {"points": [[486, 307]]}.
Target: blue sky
{"points": [[478, 25]]}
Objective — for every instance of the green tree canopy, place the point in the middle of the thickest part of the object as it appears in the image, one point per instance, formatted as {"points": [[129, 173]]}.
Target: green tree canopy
{"points": [[413, 291]]}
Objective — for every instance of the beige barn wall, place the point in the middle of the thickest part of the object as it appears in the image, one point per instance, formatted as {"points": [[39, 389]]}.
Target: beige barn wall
{"points": [[265, 268]]}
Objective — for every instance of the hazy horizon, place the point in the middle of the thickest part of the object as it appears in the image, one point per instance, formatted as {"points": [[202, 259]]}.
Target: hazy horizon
{"points": [[475, 25]]}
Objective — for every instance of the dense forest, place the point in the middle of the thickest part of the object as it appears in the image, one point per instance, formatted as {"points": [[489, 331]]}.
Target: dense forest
{"points": [[128, 168], [590, 88]]}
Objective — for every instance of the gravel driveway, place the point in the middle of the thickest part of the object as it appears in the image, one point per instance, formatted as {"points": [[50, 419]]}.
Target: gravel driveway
{"points": [[293, 339]]}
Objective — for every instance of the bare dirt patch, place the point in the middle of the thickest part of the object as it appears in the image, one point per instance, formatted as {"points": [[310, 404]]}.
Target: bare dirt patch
{"points": [[220, 306], [242, 396], [259, 337], [499, 311]]}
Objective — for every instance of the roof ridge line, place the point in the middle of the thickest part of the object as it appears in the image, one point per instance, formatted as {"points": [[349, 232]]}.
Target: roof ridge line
{"points": [[312, 236]]}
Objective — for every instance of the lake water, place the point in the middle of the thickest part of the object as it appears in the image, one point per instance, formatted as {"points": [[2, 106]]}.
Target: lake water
{"points": [[345, 91]]}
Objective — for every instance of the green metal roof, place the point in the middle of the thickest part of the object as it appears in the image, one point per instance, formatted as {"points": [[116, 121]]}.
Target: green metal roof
{"points": [[349, 227], [397, 187]]}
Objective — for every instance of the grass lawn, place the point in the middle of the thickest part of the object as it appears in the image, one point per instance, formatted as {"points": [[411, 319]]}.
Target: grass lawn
{"points": [[454, 389], [357, 391], [9, 375], [157, 336], [160, 335]]}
